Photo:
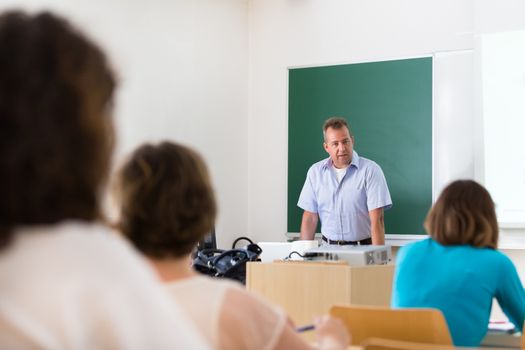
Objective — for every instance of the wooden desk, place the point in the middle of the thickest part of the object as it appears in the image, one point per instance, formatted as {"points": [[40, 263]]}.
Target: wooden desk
{"points": [[501, 340], [308, 289]]}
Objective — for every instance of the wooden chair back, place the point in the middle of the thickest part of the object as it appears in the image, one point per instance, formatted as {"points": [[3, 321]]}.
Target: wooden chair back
{"points": [[388, 344], [523, 337], [414, 325]]}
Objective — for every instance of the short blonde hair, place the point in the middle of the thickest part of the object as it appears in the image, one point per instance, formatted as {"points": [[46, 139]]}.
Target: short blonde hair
{"points": [[464, 214]]}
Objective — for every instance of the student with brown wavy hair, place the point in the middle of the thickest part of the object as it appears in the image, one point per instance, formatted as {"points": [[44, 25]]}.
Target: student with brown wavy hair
{"points": [[66, 281], [459, 270], [167, 206]]}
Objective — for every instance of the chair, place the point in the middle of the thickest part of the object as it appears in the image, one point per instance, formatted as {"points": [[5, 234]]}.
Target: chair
{"points": [[523, 337], [388, 344], [413, 325]]}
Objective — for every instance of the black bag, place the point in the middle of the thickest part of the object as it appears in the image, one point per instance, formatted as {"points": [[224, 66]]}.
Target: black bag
{"points": [[226, 263]]}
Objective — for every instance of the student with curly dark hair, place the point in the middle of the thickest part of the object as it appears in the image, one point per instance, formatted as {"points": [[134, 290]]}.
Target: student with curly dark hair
{"points": [[459, 270], [66, 281], [167, 206]]}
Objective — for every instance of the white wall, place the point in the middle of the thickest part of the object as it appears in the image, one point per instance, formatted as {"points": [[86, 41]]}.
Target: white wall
{"points": [[213, 74], [183, 71], [324, 32], [286, 33]]}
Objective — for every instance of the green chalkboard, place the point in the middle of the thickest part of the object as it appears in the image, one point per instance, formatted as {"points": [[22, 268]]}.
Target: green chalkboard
{"points": [[388, 105]]}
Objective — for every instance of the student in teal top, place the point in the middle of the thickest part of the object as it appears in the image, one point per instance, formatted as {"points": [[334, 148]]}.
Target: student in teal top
{"points": [[459, 269]]}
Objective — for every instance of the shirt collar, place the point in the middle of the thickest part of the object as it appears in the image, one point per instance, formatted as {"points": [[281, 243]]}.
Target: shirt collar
{"points": [[355, 161]]}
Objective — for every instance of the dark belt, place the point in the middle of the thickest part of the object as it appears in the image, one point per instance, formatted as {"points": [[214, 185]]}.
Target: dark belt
{"points": [[366, 241]]}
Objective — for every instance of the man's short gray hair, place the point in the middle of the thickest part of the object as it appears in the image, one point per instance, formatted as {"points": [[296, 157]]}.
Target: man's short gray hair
{"points": [[336, 123]]}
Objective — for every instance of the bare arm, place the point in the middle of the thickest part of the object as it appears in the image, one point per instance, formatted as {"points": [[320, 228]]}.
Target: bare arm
{"points": [[308, 225], [377, 221]]}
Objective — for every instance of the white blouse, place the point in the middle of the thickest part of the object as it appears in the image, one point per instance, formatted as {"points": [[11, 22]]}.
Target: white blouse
{"points": [[80, 286], [229, 316]]}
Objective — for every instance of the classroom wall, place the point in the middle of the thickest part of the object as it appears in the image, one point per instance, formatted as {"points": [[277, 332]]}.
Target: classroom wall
{"points": [[326, 32], [340, 31], [183, 75], [213, 74]]}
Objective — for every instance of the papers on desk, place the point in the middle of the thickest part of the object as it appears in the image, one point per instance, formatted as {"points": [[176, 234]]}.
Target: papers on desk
{"points": [[501, 326], [272, 251], [502, 340], [501, 334]]}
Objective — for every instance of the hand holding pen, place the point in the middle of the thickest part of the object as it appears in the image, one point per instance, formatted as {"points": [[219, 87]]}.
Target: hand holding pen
{"points": [[330, 332]]}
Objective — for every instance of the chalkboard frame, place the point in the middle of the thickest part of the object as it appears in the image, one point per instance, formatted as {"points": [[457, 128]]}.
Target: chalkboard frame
{"points": [[365, 93]]}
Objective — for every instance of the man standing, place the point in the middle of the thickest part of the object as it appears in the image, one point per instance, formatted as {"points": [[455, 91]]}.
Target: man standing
{"points": [[347, 192]]}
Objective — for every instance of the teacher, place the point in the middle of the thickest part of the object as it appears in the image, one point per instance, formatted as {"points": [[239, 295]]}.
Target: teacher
{"points": [[347, 192]]}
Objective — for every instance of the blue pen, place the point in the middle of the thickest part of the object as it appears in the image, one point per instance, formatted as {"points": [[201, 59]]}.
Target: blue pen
{"points": [[310, 327]]}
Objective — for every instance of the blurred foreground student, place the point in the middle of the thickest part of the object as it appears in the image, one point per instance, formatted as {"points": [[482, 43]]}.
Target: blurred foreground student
{"points": [[167, 206], [66, 281], [458, 270]]}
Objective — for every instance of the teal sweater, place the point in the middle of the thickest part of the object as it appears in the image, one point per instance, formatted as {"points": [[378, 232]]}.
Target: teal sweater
{"points": [[461, 281]]}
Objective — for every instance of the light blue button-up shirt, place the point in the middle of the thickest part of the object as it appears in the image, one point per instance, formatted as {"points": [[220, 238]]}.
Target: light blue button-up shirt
{"points": [[343, 206]]}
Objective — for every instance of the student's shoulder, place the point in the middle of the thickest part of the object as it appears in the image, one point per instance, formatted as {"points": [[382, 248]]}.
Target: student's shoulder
{"points": [[101, 253], [211, 283], [419, 244], [97, 237], [73, 242], [417, 247], [495, 256]]}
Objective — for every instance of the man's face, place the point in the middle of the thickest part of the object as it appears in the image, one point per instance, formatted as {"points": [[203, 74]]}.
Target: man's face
{"points": [[339, 145]]}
